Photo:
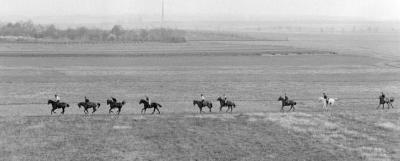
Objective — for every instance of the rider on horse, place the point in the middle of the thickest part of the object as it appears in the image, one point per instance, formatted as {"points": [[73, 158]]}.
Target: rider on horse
{"points": [[225, 99], [286, 98], [114, 99], [382, 96], [202, 98], [57, 98], [86, 99], [325, 97], [148, 100]]}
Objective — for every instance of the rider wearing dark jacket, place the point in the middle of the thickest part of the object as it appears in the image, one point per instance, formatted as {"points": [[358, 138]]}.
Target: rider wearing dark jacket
{"points": [[382, 96], [86, 99], [286, 98], [325, 97]]}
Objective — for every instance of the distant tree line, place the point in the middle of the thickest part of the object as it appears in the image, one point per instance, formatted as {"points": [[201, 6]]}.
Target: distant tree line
{"points": [[30, 31]]}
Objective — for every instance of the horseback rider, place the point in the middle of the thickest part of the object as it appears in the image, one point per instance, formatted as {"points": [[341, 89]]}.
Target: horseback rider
{"points": [[202, 98], [114, 99], [57, 98], [225, 99], [86, 99], [148, 100], [382, 95], [325, 97], [286, 98]]}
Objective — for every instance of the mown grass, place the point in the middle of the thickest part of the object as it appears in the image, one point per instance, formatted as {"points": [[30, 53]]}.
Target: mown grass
{"points": [[245, 136]]}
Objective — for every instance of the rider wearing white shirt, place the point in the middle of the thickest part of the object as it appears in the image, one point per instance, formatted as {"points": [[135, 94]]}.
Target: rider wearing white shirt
{"points": [[57, 98], [148, 100]]}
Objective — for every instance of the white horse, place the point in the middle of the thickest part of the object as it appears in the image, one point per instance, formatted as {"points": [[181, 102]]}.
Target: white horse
{"points": [[331, 102]]}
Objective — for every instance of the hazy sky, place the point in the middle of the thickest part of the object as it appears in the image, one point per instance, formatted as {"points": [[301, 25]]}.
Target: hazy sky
{"points": [[367, 9]]}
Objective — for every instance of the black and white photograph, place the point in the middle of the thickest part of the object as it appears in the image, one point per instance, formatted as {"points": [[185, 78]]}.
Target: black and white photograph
{"points": [[199, 80]]}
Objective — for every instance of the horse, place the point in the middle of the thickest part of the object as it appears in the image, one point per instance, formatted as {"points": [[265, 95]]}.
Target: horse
{"points": [[290, 103], [87, 105], [202, 104], [115, 105], [57, 105], [146, 105], [331, 102], [383, 101], [228, 104]]}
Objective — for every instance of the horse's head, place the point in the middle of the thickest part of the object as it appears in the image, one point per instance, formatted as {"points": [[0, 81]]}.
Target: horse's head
{"points": [[67, 105], [80, 104], [50, 102], [194, 102], [219, 99], [142, 101], [109, 101], [98, 105], [123, 102], [391, 99], [280, 98]]}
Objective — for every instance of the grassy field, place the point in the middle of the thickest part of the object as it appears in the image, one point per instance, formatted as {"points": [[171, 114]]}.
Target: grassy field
{"points": [[253, 74], [239, 136]]}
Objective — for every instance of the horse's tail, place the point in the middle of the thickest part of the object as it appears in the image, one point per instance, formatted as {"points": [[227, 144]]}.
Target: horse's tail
{"points": [[234, 105], [294, 102]]}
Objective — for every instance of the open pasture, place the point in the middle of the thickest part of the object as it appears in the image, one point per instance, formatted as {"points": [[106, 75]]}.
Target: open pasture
{"points": [[252, 74]]}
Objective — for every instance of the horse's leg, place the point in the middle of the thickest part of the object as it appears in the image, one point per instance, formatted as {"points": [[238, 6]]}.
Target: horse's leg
{"points": [[142, 111], [63, 110], [293, 108], [220, 108], [209, 108], [109, 111], [119, 110], [158, 110], [200, 108], [94, 109]]}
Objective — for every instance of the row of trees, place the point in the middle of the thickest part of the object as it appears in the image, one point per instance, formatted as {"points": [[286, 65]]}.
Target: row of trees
{"points": [[30, 30]]}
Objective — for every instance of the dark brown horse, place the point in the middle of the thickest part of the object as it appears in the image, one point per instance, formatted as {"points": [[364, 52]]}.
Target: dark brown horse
{"points": [[228, 104], [290, 103], [113, 105], [146, 105], [385, 100], [202, 104], [57, 105], [87, 105]]}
